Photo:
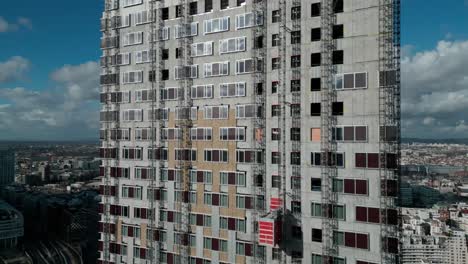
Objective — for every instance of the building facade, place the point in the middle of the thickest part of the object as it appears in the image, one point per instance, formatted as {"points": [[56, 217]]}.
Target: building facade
{"points": [[250, 131], [7, 166]]}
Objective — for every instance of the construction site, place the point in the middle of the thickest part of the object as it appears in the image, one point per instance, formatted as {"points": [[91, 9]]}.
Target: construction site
{"points": [[250, 131]]}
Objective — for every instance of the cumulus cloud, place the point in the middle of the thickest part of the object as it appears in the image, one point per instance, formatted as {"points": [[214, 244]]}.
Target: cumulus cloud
{"points": [[435, 91], [67, 110], [13, 69], [21, 22]]}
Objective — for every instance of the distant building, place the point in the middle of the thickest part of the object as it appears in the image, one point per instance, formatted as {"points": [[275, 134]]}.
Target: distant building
{"points": [[11, 226], [7, 166]]}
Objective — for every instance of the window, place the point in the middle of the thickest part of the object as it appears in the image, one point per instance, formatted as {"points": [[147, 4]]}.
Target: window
{"points": [[233, 178], [132, 115], [295, 37], [216, 25], [338, 211], [232, 45], [165, 13], [184, 72], [338, 6], [240, 248], [315, 59], [171, 93], [185, 154], [133, 38], [275, 40], [337, 108], [315, 109], [123, 59], [316, 235], [368, 214], [248, 111], [367, 160], [276, 16], [350, 186], [216, 69], [215, 155], [202, 49], [316, 184], [171, 133], [248, 156], [143, 56], [275, 110], [338, 57], [295, 134], [240, 2], [186, 30], [315, 135], [296, 61], [232, 89], [224, 4], [126, 3], [134, 192], [315, 8], [249, 20], [295, 85], [350, 133], [202, 91], [248, 66], [232, 133], [275, 158], [132, 153], [201, 133], [388, 133], [208, 5], [351, 81], [316, 34], [315, 84], [275, 134], [217, 112], [334, 159], [193, 8], [295, 13], [274, 87], [387, 78], [353, 240], [338, 31], [295, 158], [275, 63], [132, 77], [275, 181], [165, 54], [201, 176], [296, 208]]}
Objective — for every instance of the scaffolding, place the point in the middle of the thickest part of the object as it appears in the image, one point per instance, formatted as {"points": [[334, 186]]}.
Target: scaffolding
{"points": [[158, 123], [389, 121], [184, 123], [259, 53], [329, 170], [110, 27]]}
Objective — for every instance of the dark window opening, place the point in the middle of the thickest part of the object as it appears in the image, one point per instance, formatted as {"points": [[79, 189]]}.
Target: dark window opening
{"points": [[276, 16], [338, 31], [295, 13], [193, 8], [316, 235], [315, 109], [315, 10], [316, 184], [296, 37], [338, 6], [296, 61], [165, 13], [315, 59], [316, 34], [296, 134], [165, 54], [337, 108], [315, 84], [224, 4], [338, 57], [179, 10], [295, 85], [208, 5]]}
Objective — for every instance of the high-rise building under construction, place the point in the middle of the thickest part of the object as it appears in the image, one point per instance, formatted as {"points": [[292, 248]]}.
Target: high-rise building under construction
{"points": [[250, 131]]}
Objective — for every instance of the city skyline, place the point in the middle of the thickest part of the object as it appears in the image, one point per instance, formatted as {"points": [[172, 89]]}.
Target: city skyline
{"points": [[53, 94]]}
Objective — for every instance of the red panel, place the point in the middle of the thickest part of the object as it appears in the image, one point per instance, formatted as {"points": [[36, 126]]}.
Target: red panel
{"points": [[142, 253], [170, 216], [350, 239], [170, 175], [199, 220], [143, 213], [130, 192], [373, 160], [249, 202], [362, 241], [361, 214], [349, 186], [144, 173], [248, 249], [100, 208], [214, 244], [199, 176], [100, 245], [275, 203], [130, 231], [215, 199], [231, 178], [374, 215], [102, 171], [113, 171], [360, 160], [231, 224], [361, 187]]}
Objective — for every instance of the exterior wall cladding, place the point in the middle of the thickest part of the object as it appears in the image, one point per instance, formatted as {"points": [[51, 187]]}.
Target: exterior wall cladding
{"points": [[141, 211]]}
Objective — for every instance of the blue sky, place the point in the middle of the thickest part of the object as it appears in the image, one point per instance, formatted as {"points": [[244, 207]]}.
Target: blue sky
{"points": [[57, 45]]}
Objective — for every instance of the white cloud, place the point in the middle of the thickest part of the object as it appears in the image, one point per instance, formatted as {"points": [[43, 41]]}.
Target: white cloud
{"points": [[21, 22], [67, 110], [13, 69], [435, 83]]}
